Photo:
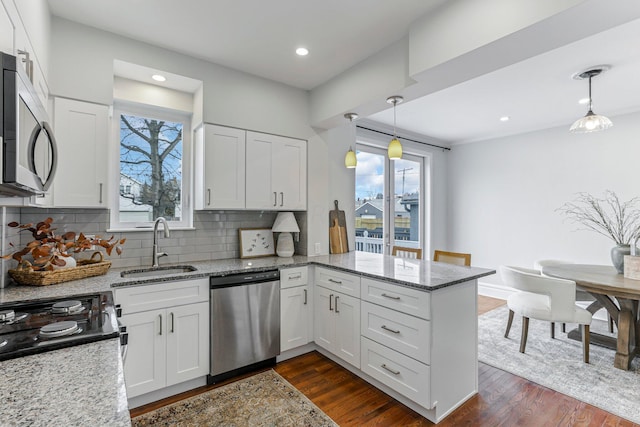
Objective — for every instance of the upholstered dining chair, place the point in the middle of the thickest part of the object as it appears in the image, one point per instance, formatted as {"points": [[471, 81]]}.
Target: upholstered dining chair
{"points": [[456, 258], [581, 295], [404, 252], [543, 298]]}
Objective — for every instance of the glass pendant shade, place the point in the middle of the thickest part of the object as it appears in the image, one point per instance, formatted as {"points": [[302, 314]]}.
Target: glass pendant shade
{"points": [[591, 122], [350, 160], [395, 149]]}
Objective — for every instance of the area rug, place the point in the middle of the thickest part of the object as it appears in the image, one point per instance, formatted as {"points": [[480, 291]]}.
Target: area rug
{"points": [[557, 363], [265, 399]]}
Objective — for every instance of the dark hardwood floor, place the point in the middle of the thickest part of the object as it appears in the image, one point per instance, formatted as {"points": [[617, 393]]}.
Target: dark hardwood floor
{"points": [[503, 399]]}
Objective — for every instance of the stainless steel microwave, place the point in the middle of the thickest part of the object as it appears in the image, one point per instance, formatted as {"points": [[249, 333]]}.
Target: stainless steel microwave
{"points": [[28, 156]]}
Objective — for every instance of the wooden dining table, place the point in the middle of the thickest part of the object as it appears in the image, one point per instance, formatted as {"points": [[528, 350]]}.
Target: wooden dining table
{"points": [[609, 287]]}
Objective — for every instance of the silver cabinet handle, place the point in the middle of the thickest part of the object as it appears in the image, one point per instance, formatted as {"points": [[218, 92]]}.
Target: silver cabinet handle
{"points": [[208, 197], [100, 193], [275, 199], [383, 366], [389, 329], [390, 296], [305, 296], [172, 327], [296, 276], [337, 304], [160, 316], [281, 198], [335, 281], [330, 301]]}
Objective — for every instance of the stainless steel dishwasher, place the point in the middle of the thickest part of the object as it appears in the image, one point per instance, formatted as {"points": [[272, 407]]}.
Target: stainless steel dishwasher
{"points": [[245, 323]]}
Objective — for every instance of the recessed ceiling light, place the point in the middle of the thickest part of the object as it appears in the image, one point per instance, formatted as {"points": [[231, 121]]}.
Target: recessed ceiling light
{"points": [[583, 101], [159, 78], [504, 118], [302, 51]]}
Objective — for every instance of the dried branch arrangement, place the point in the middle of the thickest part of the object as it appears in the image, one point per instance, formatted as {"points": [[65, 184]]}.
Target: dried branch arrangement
{"points": [[619, 221], [50, 250]]}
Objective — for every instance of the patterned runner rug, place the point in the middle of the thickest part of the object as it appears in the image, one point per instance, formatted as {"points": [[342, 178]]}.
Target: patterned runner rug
{"points": [[557, 363], [265, 399]]}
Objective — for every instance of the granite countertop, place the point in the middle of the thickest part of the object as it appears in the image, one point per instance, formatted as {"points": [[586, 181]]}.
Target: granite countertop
{"points": [[422, 275], [73, 386]]}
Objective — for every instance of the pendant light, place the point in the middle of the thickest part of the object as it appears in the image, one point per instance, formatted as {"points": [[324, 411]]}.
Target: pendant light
{"points": [[591, 122], [395, 148], [350, 160]]}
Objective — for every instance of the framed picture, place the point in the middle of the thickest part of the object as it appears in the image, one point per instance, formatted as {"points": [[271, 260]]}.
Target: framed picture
{"points": [[256, 242]]}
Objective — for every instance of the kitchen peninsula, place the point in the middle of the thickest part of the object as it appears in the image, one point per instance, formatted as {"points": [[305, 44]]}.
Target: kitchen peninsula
{"points": [[449, 314]]}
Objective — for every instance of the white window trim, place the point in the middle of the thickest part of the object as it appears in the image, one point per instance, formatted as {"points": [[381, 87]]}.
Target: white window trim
{"points": [[135, 109]]}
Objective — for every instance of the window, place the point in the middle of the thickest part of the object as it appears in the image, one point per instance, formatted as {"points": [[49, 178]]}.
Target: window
{"points": [[388, 205], [154, 180]]}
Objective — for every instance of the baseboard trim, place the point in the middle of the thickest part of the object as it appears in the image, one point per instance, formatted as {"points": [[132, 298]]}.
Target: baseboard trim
{"points": [[494, 291]]}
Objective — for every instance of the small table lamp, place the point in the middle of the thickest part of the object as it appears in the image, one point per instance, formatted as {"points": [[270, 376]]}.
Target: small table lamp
{"points": [[285, 224]]}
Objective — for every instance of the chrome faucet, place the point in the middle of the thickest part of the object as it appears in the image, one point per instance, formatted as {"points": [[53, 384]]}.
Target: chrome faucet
{"points": [[156, 255]]}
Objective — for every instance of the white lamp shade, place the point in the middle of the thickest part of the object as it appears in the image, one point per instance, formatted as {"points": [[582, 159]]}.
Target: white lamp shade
{"points": [[395, 149], [350, 160], [591, 122], [285, 222]]}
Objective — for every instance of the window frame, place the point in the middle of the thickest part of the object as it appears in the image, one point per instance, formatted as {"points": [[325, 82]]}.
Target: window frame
{"points": [[160, 113]]}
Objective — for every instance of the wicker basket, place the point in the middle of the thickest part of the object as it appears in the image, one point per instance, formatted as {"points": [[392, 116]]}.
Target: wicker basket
{"points": [[94, 266]]}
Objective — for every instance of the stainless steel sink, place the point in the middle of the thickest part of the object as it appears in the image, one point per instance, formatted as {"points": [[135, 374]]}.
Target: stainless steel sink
{"points": [[158, 271]]}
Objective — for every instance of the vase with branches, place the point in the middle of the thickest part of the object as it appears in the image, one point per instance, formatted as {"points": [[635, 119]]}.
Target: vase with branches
{"points": [[610, 217]]}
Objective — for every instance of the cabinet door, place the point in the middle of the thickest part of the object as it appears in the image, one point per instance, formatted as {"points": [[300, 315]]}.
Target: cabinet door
{"points": [[324, 318], [260, 193], [224, 168], [187, 342], [347, 335], [294, 317], [290, 174], [145, 365], [6, 31], [81, 133]]}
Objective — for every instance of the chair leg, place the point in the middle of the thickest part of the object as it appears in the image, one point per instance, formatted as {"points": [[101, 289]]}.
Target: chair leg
{"points": [[610, 324], [525, 331], [553, 330], [509, 322], [585, 343]]}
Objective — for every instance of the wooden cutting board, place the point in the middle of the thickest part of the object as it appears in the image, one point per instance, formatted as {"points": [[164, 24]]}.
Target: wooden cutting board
{"points": [[338, 242]]}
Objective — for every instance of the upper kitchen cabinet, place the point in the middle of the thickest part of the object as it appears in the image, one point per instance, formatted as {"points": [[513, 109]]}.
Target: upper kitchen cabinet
{"points": [[219, 167], [276, 172], [6, 31], [82, 137]]}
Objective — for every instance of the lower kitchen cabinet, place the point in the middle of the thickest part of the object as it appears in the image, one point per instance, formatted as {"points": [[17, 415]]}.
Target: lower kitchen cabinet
{"points": [[168, 343], [337, 324], [295, 310]]}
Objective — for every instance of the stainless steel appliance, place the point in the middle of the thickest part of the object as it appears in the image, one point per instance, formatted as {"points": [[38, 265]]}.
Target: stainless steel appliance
{"points": [[28, 155], [42, 325], [245, 323]]}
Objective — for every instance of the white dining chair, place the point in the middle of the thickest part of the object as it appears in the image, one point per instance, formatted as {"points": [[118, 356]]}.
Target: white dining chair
{"points": [[543, 298]]}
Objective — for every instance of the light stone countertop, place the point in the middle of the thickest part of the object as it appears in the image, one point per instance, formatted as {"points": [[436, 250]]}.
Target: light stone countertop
{"points": [[84, 385], [73, 386]]}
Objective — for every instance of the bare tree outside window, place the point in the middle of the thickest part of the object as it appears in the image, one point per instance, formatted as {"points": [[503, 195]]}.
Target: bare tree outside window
{"points": [[151, 162]]}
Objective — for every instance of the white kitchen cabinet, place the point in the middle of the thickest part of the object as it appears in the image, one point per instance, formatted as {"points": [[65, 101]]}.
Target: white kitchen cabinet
{"points": [[220, 167], [295, 308], [168, 327], [82, 138], [276, 172], [6, 30], [337, 324]]}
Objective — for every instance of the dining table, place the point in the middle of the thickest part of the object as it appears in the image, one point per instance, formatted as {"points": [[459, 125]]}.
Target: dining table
{"points": [[617, 294]]}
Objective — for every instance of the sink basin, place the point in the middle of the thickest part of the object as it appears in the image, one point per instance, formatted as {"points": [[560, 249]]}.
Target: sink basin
{"points": [[158, 271]]}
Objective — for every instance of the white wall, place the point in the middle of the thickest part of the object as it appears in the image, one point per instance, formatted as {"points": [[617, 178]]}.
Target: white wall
{"points": [[504, 193]]}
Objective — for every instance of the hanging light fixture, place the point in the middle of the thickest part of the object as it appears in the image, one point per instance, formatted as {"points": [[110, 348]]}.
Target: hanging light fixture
{"points": [[350, 160], [591, 122], [395, 148]]}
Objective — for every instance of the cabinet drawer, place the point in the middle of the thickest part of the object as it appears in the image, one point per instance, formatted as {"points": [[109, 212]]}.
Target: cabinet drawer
{"points": [[168, 294], [407, 334], [338, 281], [403, 374], [406, 300], [291, 277]]}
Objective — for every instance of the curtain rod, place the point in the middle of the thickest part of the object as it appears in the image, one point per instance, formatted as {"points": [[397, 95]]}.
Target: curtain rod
{"points": [[402, 137]]}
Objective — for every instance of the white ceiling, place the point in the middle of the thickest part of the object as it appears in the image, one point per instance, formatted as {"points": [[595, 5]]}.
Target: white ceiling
{"points": [[245, 35]]}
